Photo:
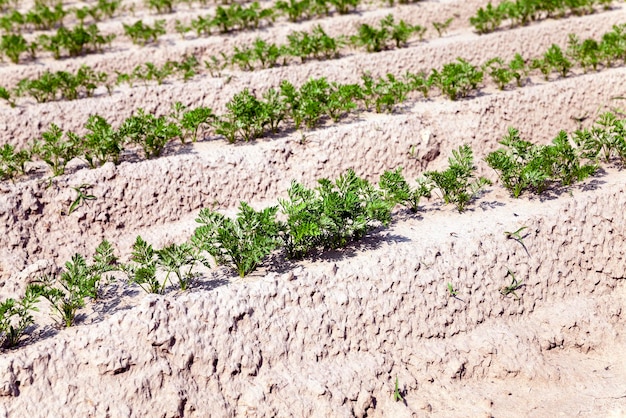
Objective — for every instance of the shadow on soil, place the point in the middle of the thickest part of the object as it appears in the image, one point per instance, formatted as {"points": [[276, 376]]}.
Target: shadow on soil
{"points": [[118, 296], [279, 263]]}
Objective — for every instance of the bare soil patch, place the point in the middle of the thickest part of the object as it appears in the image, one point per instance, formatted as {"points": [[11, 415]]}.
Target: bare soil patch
{"points": [[329, 336]]}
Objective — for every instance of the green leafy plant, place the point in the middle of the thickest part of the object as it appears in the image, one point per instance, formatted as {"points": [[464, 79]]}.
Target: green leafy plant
{"points": [[236, 16], [519, 69], [273, 110], [245, 118], [55, 151], [43, 89], [202, 25], [294, 9], [341, 100], [501, 74], [523, 166], [6, 95], [101, 143], [372, 39], [384, 92], [344, 6], [566, 160], [180, 259], [161, 6], [142, 271], [187, 67], [395, 189], [70, 86], [67, 291], [16, 316], [520, 165], [103, 8], [243, 58], [612, 45], [143, 34], [12, 162], [586, 53], [76, 41], [12, 22], [376, 39], [104, 261], [243, 242], [150, 132], [313, 98], [487, 19], [419, 82], [42, 17], [316, 44], [556, 59], [549, 61], [13, 46], [607, 138], [182, 29], [457, 79], [267, 54], [149, 72], [401, 32], [457, 184], [193, 120], [331, 215], [521, 12]]}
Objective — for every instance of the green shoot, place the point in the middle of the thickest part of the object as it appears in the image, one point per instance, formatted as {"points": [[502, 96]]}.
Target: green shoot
{"points": [[513, 287], [442, 27], [397, 396], [451, 291], [516, 235], [82, 196]]}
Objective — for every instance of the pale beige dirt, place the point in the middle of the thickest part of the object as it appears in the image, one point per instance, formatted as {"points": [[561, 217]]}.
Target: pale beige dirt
{"points": [[23, 124], [328, 337]]}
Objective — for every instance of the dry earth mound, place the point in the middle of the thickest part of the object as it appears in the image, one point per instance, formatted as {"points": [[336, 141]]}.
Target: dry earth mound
{"points": [[442, 309]]}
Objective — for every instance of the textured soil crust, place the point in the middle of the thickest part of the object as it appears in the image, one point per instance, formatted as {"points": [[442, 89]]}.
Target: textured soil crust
{"points": [[330, 336]]}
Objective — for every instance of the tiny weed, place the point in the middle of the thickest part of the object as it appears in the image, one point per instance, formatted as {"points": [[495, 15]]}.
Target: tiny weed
{"points": [[452, 292], [82, 196], [511, 288], [516, 235], [442, 27], [397, 396]]}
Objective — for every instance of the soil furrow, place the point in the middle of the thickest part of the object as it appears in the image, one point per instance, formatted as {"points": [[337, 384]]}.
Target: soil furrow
{"points": [[154, 192], [26, 123], [331, 336]]}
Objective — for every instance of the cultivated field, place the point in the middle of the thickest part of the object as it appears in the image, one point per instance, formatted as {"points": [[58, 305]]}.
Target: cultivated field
{"points": [[311, 208]]}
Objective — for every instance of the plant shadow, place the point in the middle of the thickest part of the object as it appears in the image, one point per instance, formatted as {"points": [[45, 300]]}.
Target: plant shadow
{"points": [[485, 206], [279, 263], [555, 191]]}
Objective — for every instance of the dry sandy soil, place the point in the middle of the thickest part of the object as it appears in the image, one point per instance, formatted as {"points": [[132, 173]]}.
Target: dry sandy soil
{"points": [[329, 336]]}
